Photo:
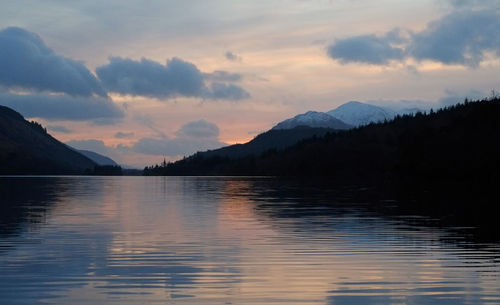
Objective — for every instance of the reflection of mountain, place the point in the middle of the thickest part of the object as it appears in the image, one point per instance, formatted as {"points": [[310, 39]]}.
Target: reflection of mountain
{"points": [[366, 249], [65, 238], [27, 148], [26, 201], [306, 199], [221, 240]]}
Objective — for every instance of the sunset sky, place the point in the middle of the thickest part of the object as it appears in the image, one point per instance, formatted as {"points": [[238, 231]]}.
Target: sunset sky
{"points": [[143, 80]]}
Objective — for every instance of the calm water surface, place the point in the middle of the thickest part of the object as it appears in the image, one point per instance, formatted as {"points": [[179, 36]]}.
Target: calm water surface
{"points": [[189, 240]]}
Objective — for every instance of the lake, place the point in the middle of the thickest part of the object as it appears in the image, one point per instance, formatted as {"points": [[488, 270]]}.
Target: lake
{"points": [[226, 240]]}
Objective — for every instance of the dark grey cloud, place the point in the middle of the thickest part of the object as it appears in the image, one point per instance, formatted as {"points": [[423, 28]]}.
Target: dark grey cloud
{"points": [[223, 91], [461, 37], [458, 38], [190, 138], [62, 107], [26, 63], [124, 135], [59, 128], [175, 78], [371, 49], [232, 56], [152, 79], [475, 4]]}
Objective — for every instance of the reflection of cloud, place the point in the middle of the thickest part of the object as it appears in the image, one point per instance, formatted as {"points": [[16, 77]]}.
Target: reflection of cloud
{"points": [[230, 240], [447, 296], [461, 37]]}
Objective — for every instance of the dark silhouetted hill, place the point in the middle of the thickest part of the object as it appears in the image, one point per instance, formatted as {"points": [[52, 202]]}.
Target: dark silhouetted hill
{"points": [[271, 140], [457, 143], [26, 148]]}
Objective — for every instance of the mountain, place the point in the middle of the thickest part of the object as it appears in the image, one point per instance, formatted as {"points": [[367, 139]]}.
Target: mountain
{"points": [[457, 144], [270, 141], [312, 119], [26, 148], [98, 158], [359, 114], [274, 139]]}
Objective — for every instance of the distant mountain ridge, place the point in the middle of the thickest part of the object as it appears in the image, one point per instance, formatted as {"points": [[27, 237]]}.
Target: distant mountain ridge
{"points": [[346, 116], [359, 114], [271, 141], [313, 119], [97, 158], [457, 144], [26, 148], [301, 127]]}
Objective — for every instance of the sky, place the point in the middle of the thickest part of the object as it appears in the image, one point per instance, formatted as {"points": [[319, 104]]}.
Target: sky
{"points": [[140, 81]]}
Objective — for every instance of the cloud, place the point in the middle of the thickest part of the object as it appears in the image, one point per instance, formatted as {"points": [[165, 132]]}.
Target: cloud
{"points": [[26, 63], [224, 91], [232, 56], [475, 4], [453, 97], [124, 135], [458, 38], [59, 128], [152, 79], [176, 78], [198, 129], [369, 49], [190, 138], [461, 37], [62, 107], [449, 98], [223, 76], [37, 82]]}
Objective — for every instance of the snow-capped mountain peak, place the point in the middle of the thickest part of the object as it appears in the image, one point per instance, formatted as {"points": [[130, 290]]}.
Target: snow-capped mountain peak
{"points": [[358, 114], [312, 119]]}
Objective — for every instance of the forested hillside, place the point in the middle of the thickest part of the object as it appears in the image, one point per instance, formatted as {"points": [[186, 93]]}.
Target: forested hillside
{"points": [[460, 143], [27, 149]]}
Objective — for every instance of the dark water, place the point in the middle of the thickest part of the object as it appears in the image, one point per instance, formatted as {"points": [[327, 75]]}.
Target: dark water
{"points": [[157, 240]]}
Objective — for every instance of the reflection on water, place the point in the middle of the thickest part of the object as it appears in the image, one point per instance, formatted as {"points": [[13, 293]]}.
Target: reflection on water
{"points": [[167, 240]]}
